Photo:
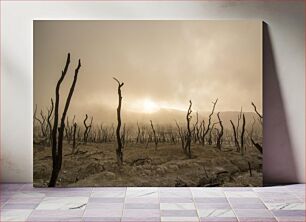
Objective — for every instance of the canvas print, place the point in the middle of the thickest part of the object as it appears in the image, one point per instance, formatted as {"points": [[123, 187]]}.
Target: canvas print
{"points": [[147, 103]]}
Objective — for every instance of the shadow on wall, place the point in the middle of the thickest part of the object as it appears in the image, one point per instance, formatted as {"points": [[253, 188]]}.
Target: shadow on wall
{"points": [[278, 161]]}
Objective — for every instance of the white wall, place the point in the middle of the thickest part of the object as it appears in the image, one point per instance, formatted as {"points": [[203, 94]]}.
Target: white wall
{"points": [[284, 87]]}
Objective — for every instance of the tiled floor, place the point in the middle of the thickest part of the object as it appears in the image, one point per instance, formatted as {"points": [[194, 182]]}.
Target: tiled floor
{"points": [[21, 202]]}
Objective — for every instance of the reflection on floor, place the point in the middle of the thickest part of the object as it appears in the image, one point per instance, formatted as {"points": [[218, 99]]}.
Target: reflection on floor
{"points": [[22, 202]]}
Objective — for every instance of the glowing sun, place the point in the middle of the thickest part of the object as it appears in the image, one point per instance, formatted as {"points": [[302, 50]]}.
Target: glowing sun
{"points": [[148, 106]]}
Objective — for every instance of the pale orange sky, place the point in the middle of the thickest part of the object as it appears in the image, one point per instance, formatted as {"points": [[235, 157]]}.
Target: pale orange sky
{"points": [[162, 63]]}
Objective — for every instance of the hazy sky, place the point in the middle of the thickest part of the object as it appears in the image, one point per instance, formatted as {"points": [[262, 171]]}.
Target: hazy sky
{"points": [[162, 63]]}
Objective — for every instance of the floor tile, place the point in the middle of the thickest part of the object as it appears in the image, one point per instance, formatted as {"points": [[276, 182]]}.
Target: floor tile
{"points": [[179, 219], [101, 219], [285, 206], [19, 206], [103, 213], [91, 205], [177, 206], [208, 193], [109, 194], [141, 206], [216, 213], [57, 213], [135, 192], [210, 200], [179, 213], [14, 214], [253, 213], [142, 213], [240, 194], [256, 219], [105, 200], [140, 219], [218, 219], [62, 203], [142, 200], [289, 213], [224, 205]]}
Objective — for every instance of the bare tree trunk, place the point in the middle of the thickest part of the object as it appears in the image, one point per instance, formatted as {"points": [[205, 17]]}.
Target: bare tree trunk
{"points": [[220, 134], [235, 137], [119, 143], [74, 144], [49, 121], [196, 129], [87, 129], [188, 135], [57, 142], [182, 136], [154, 134], [138, 133], [242, 135], [255, 109], [257, 145], [210, 133], [123, 137], [250, 169], [209, 122]]}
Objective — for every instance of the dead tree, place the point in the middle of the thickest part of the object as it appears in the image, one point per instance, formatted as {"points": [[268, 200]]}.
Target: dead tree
{"points": [[41, 122], [74, 137], [238, 122], [210, 133], [69, 129], [119, 143], [154, 135], [138, 133], [87, 128], [250, 169], [182, 136], [242, 135], [195, 130], [220, 133], [188, 133], [255, 109], [235, 137], [50, 111], [57, 140], [123, 136], [257, 145], [209, 122]]}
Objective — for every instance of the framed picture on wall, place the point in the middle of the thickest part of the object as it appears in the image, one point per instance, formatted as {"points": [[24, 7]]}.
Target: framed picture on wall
{"points": [[147, 103]]}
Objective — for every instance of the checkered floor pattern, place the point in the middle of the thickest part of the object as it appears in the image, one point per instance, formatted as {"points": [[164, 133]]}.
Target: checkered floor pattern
{"points": [[22, 202]]}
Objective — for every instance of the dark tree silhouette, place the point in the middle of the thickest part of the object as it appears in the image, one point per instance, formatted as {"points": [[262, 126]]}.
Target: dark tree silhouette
{"points": [[242, 135], [235, 137], [154, 135], [57, 140], [138, 133], [119, 142], [209, 122], [50, 111], [220, 134], [255, 109], [74, 142], [210, 133], [182, 136], [257, 145], [188, 133], [87, 128]]}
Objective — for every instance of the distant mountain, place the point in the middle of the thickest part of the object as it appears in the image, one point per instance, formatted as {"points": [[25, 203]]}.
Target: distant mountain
{"points": [[169, 116]]}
